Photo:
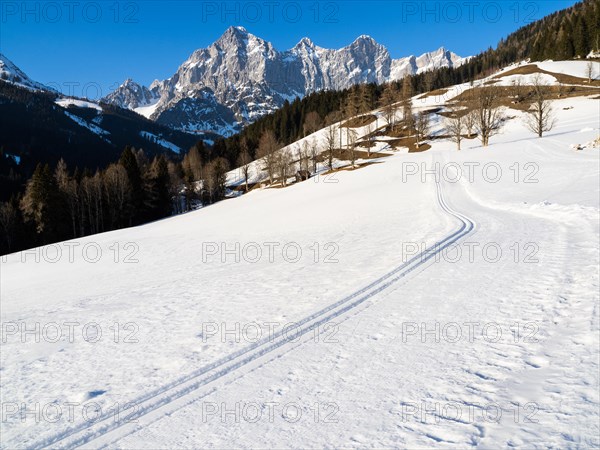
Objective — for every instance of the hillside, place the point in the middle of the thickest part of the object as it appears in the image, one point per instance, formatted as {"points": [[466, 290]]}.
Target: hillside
{"points": [[570, 33], [375, 305], [85, 134]]}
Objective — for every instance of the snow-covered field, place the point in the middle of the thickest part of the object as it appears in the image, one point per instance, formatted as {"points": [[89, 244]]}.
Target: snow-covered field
{"points": [[380, 307], [66, 102], [160, 141]]}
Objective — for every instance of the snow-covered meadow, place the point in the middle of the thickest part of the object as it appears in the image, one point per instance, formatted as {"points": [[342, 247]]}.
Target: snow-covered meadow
{"points": [[180, 333]]}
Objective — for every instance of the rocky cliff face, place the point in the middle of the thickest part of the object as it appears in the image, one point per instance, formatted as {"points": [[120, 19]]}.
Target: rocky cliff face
{"points": [[242, 77], [132, 95]]}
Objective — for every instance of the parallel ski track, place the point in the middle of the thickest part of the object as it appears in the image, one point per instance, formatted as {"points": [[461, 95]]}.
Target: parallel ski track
{"points": [[86, 433]]}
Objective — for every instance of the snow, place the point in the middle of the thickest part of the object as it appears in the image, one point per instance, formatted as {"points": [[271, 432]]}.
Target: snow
{"points": [[179, 306], [90, 126], [16, 158], [65, 102], [11, 73], [160, 141], [147, 110], [574, 68]]}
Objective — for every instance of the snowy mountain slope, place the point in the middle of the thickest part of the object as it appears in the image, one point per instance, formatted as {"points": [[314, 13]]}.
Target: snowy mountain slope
{"points": [[11, 73], [244, 77], [82, 132], [375, 376]]}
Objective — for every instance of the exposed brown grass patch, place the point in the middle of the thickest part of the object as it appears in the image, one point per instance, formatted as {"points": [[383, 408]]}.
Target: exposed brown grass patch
{"points": [[421, 148], [359, 121], [436, 92], [524, 98], [344, 155], [561, 77]]}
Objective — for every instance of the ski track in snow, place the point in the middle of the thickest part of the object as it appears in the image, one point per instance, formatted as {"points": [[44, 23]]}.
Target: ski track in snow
{"points": [[165, 396], [560, 294]]}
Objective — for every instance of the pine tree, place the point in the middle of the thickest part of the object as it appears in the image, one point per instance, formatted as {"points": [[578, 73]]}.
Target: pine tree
{"points": [[68, 189], [9, 223], [41, 204], [158, 199], [135, 203]]}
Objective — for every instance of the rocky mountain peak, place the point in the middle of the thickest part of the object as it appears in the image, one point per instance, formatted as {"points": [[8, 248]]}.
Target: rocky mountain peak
{"points": [[241, 77]]}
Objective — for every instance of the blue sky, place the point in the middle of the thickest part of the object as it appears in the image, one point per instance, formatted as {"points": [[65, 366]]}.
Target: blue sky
{"points": [[89, 47]]}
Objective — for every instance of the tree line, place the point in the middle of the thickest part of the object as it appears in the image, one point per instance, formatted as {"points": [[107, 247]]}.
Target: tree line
{"points": [[59, 204]]}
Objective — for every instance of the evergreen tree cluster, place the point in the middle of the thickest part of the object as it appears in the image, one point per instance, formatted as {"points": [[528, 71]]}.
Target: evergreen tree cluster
{"points": [[59, 205]]}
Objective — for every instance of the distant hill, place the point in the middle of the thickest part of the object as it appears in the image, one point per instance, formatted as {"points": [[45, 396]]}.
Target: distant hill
{"points": [[42, 127]]}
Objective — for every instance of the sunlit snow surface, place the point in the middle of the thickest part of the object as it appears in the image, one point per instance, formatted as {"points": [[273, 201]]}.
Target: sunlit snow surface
{"points": [[400, 369]]}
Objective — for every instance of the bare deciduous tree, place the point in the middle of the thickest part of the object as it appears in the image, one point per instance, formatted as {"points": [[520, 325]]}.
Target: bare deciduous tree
{"points": [[389, 104], [267, 150], [455, 126], [489, 117], [304, 156], [192, 164], [176, 182], [93, 197], [312, 122], [540, 117], [330, 144], [284, 166], [244, 161], [352, 138], [470, 120], [422, 126], [313, 153], [369, 137], [517, 90], [407, 92], [590, 71], [216, 178], [117, 189]]}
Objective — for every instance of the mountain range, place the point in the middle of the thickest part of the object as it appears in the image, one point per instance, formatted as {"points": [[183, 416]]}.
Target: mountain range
{"points": [[242, 77], [40, 125]]}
